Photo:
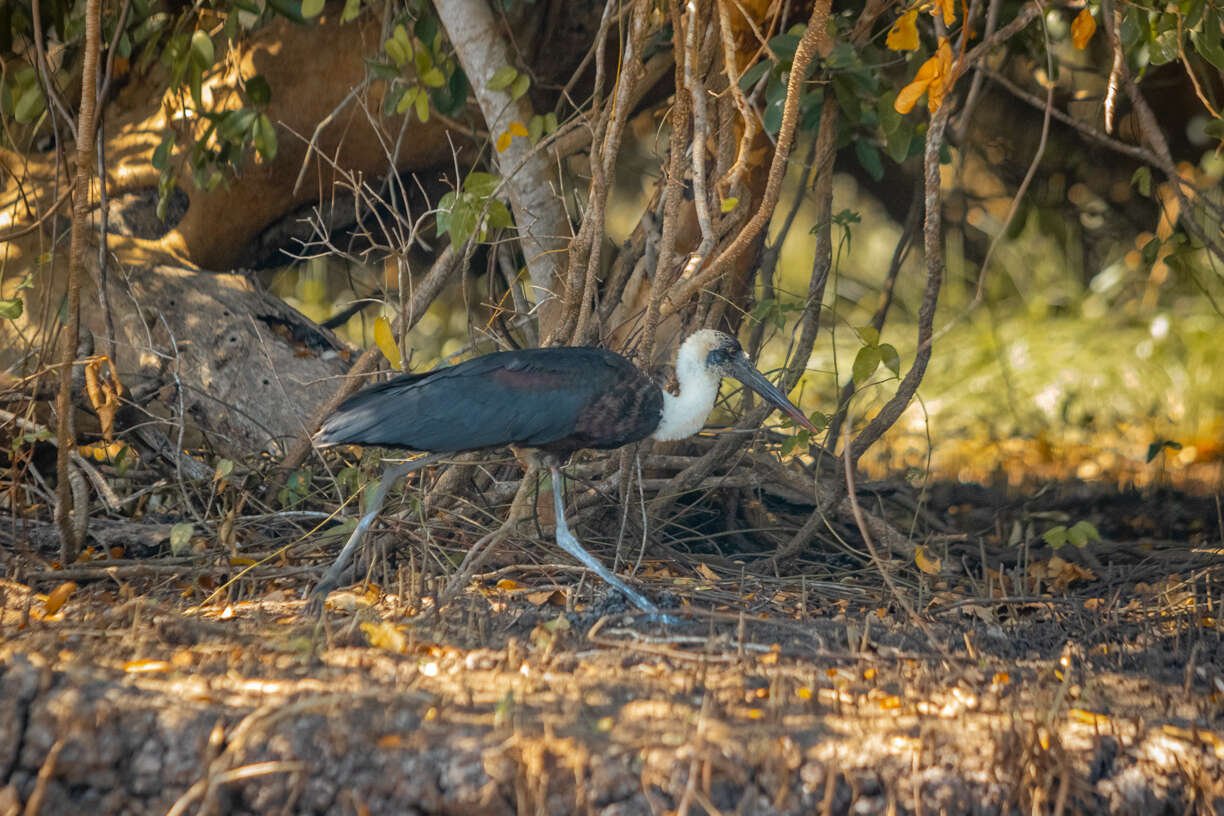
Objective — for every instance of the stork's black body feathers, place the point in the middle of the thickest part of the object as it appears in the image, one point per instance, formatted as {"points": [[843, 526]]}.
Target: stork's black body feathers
{"points": [[556, 399]]}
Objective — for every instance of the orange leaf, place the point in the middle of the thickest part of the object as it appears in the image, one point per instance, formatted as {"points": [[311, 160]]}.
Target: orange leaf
{"points": [[58, 597], [1082, 29], [517, 129], [903, 36], [503, 142], [945, 7]]}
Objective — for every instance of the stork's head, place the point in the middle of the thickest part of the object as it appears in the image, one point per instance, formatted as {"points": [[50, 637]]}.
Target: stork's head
{"points": [[714, 354]]}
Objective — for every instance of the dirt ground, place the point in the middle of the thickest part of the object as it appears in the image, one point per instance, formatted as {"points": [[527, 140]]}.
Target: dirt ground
{"points": [[1034, 681]]}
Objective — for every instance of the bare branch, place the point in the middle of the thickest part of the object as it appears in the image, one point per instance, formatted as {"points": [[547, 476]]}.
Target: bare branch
{"points": [[530, 178]]}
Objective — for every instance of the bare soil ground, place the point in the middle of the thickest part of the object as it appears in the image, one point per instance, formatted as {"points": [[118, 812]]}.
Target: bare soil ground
{"points": [[1076, 681]]}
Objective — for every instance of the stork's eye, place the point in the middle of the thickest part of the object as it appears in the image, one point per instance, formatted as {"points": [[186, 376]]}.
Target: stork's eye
{"points": [[717, 357]]}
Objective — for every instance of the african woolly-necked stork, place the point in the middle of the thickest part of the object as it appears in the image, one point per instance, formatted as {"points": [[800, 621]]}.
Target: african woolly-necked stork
{"points": [[554, 400]]}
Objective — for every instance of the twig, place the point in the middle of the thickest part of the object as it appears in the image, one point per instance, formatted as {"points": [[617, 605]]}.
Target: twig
{"points": [[933, 245], [814, 38], [76, 269]]}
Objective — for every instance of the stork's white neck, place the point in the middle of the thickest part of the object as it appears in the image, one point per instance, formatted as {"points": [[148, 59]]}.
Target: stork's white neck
{"points": [[686, 414]]}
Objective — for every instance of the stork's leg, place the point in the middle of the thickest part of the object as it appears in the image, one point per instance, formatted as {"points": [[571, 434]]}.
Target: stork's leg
{"points": [[567, 542], [314, 601]]}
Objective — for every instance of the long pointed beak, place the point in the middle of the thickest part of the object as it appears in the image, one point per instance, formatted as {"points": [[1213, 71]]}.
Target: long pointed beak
{"points": [[743, 370]]}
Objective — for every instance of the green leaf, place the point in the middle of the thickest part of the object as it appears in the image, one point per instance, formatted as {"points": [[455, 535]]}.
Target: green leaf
{"points": [[535, 128], [224, 468], [233, 126], [29, 106], [445, 205], [1141, 180], [499, 215], [870, 335], [312, 8], [865, 363], [451, 99], [11, 308], [550, 123], [396, 51], [1164, 48], [1207, 41], [1056, 536], [819, 419], [847, 99], [180, 537], [202, 48], [890, 358], [351, 9], [481, 185], [420, 57], [772, 120], [502, 78], [381, 70], [195, 77], [258, 90], [400, 35], [889, 119], [520, 86], [789, 444], [1215, 129], [463, 221], [753, 75], [784, 46], [433, 78], [1150, 250], [426, 28], [263, 136], [1083, 532], [898, 142], [422, 106], [393, 100]]}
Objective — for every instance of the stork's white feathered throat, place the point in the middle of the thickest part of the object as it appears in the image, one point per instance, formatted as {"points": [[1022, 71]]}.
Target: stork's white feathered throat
{"points": [[554, 400]]}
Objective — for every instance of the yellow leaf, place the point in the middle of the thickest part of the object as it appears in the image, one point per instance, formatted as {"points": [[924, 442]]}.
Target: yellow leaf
{"points": [[903, 36], [386, 343], [803, 693], [517, 129], [925, 561], [58, 597], [728, 204], [503, 142], [706, 572], [1082, 29], [507, 584], [384, 635], [945, 7]]}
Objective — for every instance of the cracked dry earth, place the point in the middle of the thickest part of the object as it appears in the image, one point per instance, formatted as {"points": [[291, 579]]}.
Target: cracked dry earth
{"points": [[148, 705]]}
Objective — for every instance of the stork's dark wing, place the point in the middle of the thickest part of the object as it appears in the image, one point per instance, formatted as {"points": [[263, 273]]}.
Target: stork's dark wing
{"points": [[534, 397]]}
